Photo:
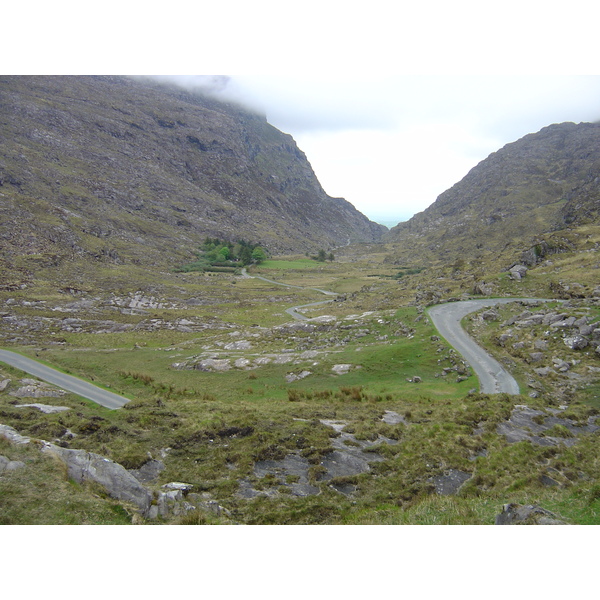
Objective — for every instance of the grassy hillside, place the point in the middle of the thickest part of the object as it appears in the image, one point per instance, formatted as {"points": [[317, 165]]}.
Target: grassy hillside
{"points": [[217, 374]]}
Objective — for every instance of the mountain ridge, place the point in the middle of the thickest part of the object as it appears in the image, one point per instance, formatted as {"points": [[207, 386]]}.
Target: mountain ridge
{"points": [[117, 169], [535, 185]]}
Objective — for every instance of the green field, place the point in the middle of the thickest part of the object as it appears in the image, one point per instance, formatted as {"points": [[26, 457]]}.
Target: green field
{"points": [[218, 424]]}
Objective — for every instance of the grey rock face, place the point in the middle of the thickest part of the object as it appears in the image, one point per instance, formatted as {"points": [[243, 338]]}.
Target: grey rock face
{"points": [[118, 482], [45, 408], [10, 465], [517, 514], [449, 483]]}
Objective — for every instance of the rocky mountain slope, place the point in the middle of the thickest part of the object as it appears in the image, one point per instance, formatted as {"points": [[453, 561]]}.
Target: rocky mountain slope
{"points": [[542, 183], [122, 170]]}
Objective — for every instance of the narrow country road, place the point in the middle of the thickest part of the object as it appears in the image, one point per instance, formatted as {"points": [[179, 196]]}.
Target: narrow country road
{"points": [[66, 382], [293, 311], [493, 377]]}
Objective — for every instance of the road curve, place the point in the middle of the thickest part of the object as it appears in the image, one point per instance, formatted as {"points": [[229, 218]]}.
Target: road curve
{"points": [[66, 382], [493, 377], [293, 311]]}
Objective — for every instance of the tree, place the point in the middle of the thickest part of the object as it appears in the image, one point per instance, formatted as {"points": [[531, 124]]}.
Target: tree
{"points": [[258, 255]]}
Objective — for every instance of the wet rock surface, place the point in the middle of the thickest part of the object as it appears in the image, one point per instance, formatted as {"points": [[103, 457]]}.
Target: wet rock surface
{"points": [[449, 482], [292, 474], [528, 424]]}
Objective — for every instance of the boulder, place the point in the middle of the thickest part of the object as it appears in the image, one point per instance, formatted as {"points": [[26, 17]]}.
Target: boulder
{"points": [[518, 272], [576, 342], [518, 514], [450, 482], [114, 478], [12, 435], [45, 408], [10, 465], [483, 289], [291, 377], [213, 364]]}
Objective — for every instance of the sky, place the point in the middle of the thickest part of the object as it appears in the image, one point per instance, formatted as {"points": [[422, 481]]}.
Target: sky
{"points": [[390, 144], [393, 103]]}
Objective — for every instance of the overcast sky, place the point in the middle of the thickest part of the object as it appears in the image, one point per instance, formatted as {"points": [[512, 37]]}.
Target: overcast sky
{"points": [[390, 144], [392, 103]]}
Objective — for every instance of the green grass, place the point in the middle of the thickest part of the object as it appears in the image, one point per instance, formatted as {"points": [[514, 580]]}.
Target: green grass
{"points": [[219, 424], [285, 265]]}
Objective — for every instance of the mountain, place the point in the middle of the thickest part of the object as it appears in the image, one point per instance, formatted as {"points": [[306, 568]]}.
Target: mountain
{"points": [[544, 182], [123, 170]]}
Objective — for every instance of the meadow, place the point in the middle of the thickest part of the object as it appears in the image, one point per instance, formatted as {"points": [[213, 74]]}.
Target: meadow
{"points": [[216, 373]]}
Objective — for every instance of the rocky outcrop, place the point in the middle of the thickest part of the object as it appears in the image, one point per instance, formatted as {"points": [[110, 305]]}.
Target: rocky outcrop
{"points": [[171, 500], [85, 466], [517, 514], [10, 465]]}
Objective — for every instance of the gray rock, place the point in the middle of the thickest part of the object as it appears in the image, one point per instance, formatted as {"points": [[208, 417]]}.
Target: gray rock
{"points": [[518, 272], [45, 408], [562, 366], [149, 471], [10, 465], [4, 384], [213, 364], [518, 514], [483, 289], [114, 478], [564, 324], [184, 488], [12, 435], [450, 482], [490, 315], [343, 464], [291, 377], [37, 391], [392, 418], [239, 345], [576, 342]]}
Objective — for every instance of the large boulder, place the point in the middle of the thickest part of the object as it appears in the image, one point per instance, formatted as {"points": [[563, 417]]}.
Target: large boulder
{"points": [[115, 479], [518, 514]]}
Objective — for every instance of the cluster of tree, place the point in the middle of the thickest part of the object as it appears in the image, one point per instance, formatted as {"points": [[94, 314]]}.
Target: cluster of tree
{"points": [[218, 255], [322, 256], [240, 253]]}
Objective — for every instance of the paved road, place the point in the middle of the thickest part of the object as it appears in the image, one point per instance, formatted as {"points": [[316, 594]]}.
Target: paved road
{"points": [[293, 311], [493, 377], [66, 382]]}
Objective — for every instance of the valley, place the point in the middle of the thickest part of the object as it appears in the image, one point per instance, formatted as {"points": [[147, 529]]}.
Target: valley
{"points": [[276, 347], [359, 414]]}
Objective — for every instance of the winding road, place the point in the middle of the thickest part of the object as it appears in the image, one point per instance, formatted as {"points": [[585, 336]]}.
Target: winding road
{"points": [[493, 377]]}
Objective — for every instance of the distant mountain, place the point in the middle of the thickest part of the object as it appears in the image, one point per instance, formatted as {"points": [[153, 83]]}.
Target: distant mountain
{"points": [[122, 170], [544, 182]]}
